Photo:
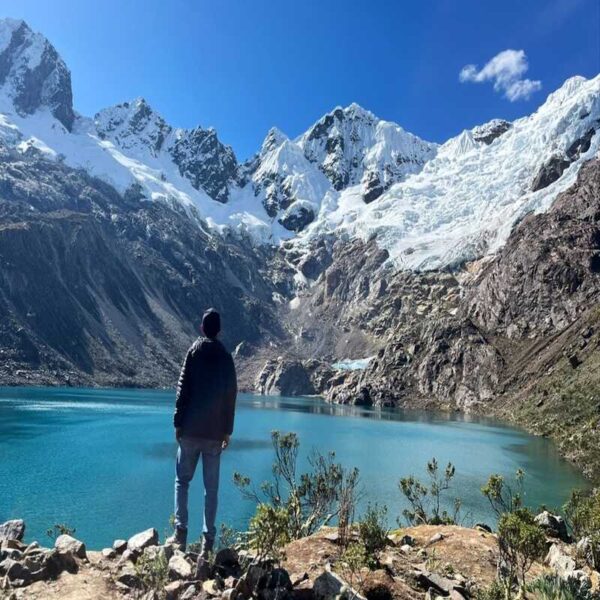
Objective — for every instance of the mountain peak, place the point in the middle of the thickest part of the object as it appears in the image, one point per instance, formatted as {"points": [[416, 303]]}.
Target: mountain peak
{"points": [[32, 74], [275, 137]]}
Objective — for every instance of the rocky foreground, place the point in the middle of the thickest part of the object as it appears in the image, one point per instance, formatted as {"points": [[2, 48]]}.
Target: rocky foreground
{"points": [[425, 561]]}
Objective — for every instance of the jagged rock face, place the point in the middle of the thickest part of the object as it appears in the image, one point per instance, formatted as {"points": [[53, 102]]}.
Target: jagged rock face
{"points": [[109, 291], [284, 378], [197, 153], [549, 270], [488, 132], [206, 162], [32, 74], [133, 124], [352, 146]]}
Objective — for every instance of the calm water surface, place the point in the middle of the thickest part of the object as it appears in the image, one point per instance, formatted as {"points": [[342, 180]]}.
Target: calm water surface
{"points": [[103, 460]]}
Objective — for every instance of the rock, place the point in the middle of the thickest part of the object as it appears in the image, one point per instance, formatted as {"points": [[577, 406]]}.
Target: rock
{"points": [[142, 540], [562, 563], [12, 530], [190, 594], [406, 549], [109, 553], [285, 378], [129, 578], [174, 589], [585, 550], [179, 567], [212, 587], [34, 546], [66, 543], [17, 574], [119, 546], [252, 577], [203, 569], [439, 583], [230, 594], [327, 585], [553, 525], [227, 563], [483, 527], [434, 539], [129, 556], [407, 540]]}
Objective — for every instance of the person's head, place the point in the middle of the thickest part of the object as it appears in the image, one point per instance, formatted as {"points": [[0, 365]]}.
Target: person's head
{"points": [[211, 323]]}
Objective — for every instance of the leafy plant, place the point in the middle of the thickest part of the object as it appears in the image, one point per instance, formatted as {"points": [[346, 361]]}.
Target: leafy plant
{"points": [[59, 529], [521, 541], [269, 532], [582, 513], [504, 497], [373, 532], [309, 500], [553, 587], [153, 570], [354, 566], [426, 500], [495, 591]]}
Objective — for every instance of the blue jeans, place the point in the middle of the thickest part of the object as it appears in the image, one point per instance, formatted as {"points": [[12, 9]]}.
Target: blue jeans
{"points": [[190, 450]]}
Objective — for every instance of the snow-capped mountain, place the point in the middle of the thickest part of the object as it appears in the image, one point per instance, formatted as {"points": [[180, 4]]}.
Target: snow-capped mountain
{"points": [[351, 146], [32, 74], [350, 174]]}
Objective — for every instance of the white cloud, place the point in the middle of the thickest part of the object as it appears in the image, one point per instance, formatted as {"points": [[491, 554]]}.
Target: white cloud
{"points": [[506, 70]]}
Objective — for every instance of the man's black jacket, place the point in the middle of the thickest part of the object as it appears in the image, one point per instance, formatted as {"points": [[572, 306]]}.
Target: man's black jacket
{"points": [[206, 391]]}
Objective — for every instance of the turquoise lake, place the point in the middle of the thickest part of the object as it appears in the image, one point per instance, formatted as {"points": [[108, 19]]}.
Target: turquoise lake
{"points": [[103, 461]]}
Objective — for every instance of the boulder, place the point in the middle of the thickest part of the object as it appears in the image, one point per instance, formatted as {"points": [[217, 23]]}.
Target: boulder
{"points": [[190, 594], [109, 553], [173, 590], [119, 546], [139, 541], [553, 525], [327, 585], [284, 378], [18, 574], [67, 543], [227, 563], [12, 530], [179, 567], [129, 578], [212, 587], [561, 562]]}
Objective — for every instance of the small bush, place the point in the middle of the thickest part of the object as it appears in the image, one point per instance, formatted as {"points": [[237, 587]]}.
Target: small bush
{"points": [[152, 570], [373, 532], [582, 513], [553, 587], [269, 531], [502, 496], [310, 500], [521, 541], [495, 591], [426, 500], [60, 529], [355, 566]]}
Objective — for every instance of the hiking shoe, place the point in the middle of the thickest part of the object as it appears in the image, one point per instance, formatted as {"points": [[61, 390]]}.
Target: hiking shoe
{"points": [[178, 539]]}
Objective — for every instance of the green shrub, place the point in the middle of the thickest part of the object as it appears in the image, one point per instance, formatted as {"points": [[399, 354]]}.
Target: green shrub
{"points": [[309, 500], [269, 531], [373, 532], [582, 513], [59, 529], [153, 570], [502, 496], [553, 587], [521, 541], [495, 591], [354, 566], [426, 500]]}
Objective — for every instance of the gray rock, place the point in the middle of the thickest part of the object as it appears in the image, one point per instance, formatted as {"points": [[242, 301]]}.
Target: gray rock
{"points": [[285, 378], [553, 525], [109, 553], [174, 589], [129, 578], [327, 585], [180, 567], [12, 530], [18, 574], [66, 543], [139, 541], [564, 564], [119, 546]]}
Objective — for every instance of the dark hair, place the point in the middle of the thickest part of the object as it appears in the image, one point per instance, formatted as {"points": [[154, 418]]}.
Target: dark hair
{"points": [[211, 323]]}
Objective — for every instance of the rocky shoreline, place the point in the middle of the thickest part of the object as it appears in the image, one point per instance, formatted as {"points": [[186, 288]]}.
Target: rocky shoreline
{"points": [[420, 562]]}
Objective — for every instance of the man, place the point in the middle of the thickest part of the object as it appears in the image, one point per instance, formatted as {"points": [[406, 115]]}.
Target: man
{"points": [[203, 420]]}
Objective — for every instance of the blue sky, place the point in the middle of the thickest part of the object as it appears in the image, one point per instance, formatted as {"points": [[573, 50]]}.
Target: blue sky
{"points": [[243, 66]]}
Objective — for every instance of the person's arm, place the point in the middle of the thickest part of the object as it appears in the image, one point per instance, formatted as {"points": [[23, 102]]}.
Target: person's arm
{"points": [[230, 397], [183, 395]]}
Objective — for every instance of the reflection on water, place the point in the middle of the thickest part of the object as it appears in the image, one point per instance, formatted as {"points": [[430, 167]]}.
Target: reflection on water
{"points": [[103, 460]]}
